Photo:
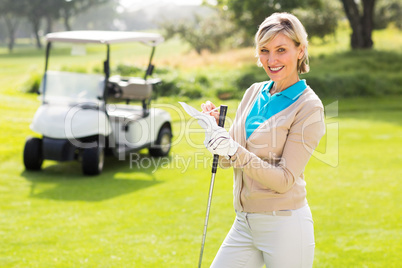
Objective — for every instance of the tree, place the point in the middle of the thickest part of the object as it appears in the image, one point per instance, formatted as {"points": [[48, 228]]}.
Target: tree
{"points": [[362, 24], [321, 20], [102, 17], [388, 11], [203, 34], [318, 16], [11, 12], [34, 11], [249, 14], [52, 13], [74, 7]]}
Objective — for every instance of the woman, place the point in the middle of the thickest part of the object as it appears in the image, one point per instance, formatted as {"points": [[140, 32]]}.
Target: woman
{"points": [[277, 126]]}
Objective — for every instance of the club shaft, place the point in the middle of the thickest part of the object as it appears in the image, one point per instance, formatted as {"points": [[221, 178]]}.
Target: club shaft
{"points": [[211, 189], [221, 123]]}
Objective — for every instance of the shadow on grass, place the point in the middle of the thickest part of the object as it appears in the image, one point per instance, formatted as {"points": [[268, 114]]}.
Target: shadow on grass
{"points": [[64, 181]]}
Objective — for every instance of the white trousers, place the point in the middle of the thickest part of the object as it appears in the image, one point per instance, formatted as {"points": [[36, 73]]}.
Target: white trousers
{"points": [[276, 241]]}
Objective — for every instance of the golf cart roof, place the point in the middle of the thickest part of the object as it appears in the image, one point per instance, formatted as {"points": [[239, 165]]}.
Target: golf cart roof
{"points": [[105, 37]]}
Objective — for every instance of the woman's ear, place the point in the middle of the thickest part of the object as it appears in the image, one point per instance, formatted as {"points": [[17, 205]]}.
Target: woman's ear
{"points": [[301, 53]]}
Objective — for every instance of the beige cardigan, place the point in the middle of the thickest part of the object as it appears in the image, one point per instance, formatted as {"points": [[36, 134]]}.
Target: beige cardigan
{"points": [[268, 167]]}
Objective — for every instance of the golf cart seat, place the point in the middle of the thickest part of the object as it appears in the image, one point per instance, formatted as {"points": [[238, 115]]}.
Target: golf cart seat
{"points": [[133, 88]]}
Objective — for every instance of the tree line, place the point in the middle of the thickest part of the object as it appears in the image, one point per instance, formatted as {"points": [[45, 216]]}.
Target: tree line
{"points": [[232, 22], [36, 11], [238, 20]]}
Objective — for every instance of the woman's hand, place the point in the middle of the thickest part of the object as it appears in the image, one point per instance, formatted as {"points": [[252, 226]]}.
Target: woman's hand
{"points": [[208, 108], [219, 142]]}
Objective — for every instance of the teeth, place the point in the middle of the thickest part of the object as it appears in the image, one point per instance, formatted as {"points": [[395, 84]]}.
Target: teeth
{"points": [[275, 69]]}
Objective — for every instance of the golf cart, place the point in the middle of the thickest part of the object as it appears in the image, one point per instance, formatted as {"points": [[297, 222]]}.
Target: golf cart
{"points": [[83, 115]]}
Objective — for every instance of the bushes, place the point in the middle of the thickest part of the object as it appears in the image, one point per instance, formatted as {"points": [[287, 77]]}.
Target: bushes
{"points": [[128, 70], [31, 85], [356, 73], [174, 84], [356, 84], [224, 84]]}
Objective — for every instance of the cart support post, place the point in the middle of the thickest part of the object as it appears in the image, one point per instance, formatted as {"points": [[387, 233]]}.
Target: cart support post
{"points": [[150, 66], [106, 69]]}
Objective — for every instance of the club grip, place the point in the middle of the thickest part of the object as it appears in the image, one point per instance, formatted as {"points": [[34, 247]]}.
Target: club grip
{"points": [[222, 116]]}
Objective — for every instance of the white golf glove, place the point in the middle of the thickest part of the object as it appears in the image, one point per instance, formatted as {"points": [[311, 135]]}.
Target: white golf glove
{"points": [[218, 141]]}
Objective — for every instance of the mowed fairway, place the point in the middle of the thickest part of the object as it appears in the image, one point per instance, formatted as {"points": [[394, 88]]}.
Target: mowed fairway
{"points": [[149, 212]]}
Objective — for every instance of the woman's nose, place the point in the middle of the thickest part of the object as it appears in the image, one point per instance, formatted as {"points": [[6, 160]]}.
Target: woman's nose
{"points": [[271, 59]]}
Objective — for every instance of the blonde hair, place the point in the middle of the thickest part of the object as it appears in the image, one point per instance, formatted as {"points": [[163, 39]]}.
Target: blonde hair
{"points": [[288, 25]]}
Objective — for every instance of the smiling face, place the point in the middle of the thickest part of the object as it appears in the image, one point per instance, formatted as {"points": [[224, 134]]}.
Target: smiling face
{"points": [[279, 58]]}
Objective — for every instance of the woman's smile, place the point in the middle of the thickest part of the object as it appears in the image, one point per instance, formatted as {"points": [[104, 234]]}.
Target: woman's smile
{"points": [[275, 69]]}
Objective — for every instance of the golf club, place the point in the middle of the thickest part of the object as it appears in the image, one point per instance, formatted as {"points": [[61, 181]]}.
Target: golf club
{"points": [[221, 123]]}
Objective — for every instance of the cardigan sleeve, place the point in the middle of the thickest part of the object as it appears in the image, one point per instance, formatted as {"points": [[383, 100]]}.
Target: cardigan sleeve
{"points": [[224, 163], [303, 137]]}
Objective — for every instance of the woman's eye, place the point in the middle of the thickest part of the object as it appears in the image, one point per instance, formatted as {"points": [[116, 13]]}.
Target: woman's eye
{"points": [[281, 50], [263, 50]]}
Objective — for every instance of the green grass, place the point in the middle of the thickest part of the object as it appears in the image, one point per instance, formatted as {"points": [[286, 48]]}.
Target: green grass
{"points": [[356, 203], [153, 216], [134, 217]]}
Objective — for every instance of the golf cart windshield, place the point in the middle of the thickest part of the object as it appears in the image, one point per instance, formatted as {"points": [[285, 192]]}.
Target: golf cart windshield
{"points": [[72, 87]]}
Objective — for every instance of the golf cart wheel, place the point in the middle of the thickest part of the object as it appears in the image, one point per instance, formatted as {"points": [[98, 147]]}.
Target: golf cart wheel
{"points": [[163, 143], [92, 160], [33, 157]]}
